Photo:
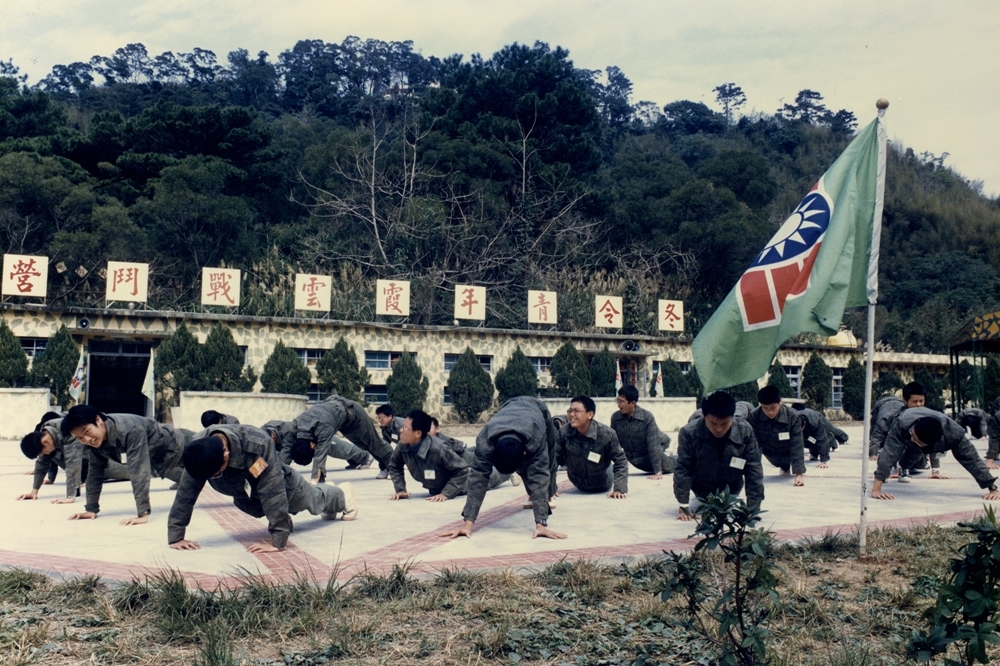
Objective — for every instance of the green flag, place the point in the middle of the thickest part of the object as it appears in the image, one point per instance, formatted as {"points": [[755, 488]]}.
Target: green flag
{"points": [[823, 258]]}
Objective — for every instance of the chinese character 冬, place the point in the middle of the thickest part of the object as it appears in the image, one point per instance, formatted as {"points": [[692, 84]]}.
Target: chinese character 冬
{"points": [[311, 287], [392, 293], [543, 307], [126, 275], [608, 310], [670, 316], [24, 271], [469, 299], [219, 283]]}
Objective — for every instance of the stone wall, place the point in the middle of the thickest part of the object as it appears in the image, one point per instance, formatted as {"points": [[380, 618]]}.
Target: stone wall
{"points": [[250, 408], [22, 409]]}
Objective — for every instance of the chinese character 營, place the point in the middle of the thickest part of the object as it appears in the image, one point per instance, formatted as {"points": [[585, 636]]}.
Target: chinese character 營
{"points": [[126, 275], [311, 287], [469, 299], [608, 311], [392, 293], [543, 307], [670, 316], [24, 271], [219, 283]]}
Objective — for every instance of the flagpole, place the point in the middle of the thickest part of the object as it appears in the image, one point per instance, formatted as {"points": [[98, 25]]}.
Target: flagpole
{"points": [[881, 105]]}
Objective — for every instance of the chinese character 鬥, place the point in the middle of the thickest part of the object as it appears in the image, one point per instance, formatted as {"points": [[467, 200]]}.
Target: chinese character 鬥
{"points": [[126, 275]]}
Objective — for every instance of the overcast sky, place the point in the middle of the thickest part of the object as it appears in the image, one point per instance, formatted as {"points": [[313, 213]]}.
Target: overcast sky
{"points": [[937, 62]]}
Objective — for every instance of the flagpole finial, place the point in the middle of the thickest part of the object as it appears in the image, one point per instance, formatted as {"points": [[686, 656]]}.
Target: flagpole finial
{"points": [[882, 104]]}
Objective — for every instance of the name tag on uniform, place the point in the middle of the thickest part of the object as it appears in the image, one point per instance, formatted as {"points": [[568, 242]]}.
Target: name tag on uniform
{"points": [[812, 440], [738, 463], [430, 475], [258, 468], [784, 436], [594, 457], [124, 458], [394, 438], [247, 488]]}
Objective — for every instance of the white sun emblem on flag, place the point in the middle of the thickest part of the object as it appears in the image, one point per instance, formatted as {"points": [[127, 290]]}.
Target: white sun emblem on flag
{"points": [[801, 230]]}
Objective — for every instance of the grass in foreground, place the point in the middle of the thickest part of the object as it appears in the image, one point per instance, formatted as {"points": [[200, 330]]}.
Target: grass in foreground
{"points": [[835, 611]]}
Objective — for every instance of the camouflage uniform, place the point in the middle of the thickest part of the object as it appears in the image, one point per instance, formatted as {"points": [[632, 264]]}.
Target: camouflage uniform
{"points": [[706, 465], [644, 445], [321, 422], [529, 419], [595, 462], [780, 438], [276, 492], [143, 446], [70, 455], [898, 447], [817, 437]]}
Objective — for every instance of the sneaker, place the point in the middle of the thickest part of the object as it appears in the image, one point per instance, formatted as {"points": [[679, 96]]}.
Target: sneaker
{"points": [[813, 458], [174, 486], [904, 478], [515, 479], [382, 474], [365, 465], [350, 502]]}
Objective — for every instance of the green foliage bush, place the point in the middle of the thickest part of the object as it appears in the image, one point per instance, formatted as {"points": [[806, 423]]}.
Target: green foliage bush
{"points": [[470, 387], [54, 367], [674, 384], [338, 372], [406, 386], [284, 372], [817, 383], [695, 389], [570, 375], [13, 360], [933, 397], [991, 380], [224, 363], [603, 371], [776, 377], [516, 378], [854, 389], [746, 392], [887, 383], [179, 364]]}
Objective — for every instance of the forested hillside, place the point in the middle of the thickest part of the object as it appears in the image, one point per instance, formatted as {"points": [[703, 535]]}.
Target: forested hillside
{"points": [[367, 160]]}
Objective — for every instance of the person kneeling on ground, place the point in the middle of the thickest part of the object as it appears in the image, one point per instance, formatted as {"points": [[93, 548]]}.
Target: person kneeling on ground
{"points": [[717, 452], [778, 430], [519, 438], [595, 462], [240, 461], [920, 431], [644, 445]]}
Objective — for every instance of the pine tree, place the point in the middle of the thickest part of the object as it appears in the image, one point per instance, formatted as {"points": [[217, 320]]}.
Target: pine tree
{"points": [[54, 367], [338, 372], [224, 363], [406, 386], [854, 389], [776, 377], [570, 376], [746, 392], [179, 364], [13, 360], [284, 372], [516, 378], [603, 371], [991, 382], [470, 387], [817, 383], [933, 399], [695, 389], [887, 384], [675, 384]]}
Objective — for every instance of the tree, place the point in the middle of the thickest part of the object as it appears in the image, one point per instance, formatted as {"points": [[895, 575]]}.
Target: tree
{"points": [[469, 386], [284, 372], [991, 382], [517, 377], [179, 363], [746, 392], [776, 377], [808, 108], [603, 371], [224, 363], [406, 386], [570, 376], [731, 98], [13, 360], [338, 372], [696, 390], [675, 384], [933, 398], [854, 389], [817, 383], [886, 384], [54, 367]]}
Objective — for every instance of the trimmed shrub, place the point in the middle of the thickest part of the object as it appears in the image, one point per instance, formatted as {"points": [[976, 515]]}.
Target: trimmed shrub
{"points": [[603, 371], [675, 384], [54, 367], [776, 377], [284, 372], [339, 372], [13, 360], [224, 363], [933, 394], [406, 386], [570, 376], [470, 387], [854, 389], [817, 383], [516, 378]]}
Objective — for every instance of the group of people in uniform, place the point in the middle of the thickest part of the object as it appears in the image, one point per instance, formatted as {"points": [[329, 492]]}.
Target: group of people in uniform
{"points": [[722, 446]]}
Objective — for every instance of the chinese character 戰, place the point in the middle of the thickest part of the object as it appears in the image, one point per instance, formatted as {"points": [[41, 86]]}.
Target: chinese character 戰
{"points": [[608, 311], [469, 299], [220, 284], [392, 293], [311, 287], [24, 271]]}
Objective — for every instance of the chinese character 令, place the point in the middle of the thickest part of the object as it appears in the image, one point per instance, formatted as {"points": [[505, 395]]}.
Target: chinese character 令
{"points": [[311, 287], [220, 284], [670, 316], [24, 271], [608, 311], [126, 275], [469, 299], [543, 307], [392, 293]]}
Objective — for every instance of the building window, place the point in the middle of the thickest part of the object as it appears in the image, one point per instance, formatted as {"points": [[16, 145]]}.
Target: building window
{"points": [[541, 364], [309, 357], [376, 394], [451, 359], [685, 366], [33, 346], [315, 394], [447, 396], [837, 397], [794, 374], [380, 360]]}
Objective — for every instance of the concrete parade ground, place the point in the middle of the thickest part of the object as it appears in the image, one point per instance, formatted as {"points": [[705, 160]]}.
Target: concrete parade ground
{"points": [[38, 536]]}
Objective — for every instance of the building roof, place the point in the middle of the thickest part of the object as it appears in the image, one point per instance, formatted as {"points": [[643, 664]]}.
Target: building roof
{"points": [[981, 333]]}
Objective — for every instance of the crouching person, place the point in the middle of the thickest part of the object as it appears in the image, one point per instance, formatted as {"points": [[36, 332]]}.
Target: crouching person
{"points": [[717, 452], [240, 461], [595, 462]]}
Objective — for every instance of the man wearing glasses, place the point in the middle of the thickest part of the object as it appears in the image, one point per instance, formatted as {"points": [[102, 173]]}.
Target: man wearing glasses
{"points": [[595, 462]]}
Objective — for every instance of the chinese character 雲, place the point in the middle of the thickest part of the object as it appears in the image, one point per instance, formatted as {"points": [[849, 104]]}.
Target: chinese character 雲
{"points": [[311, 287]]}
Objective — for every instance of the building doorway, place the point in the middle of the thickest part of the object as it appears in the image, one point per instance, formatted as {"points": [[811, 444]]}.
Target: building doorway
{"points": [[115, 376]]}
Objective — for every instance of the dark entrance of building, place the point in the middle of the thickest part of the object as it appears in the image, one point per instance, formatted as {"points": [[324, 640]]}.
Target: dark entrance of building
{"points": [[117, 371]]}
